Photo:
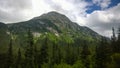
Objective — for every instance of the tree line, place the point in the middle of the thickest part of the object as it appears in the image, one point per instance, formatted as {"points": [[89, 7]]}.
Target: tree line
{"points": [[50, 51]]}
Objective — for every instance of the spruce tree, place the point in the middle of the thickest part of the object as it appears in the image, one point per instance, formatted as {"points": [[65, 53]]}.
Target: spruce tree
{"points": [[29, 54], [19, 60], [56, 54], [113, 36], [35, 56], [103, 53], [43, 56], [68, 55], [118, 41], [85, 55], [10, 55], [113, 41]]}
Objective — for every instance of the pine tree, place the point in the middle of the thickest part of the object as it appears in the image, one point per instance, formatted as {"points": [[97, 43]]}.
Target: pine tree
{"points": [[68, 57], [119, 34], [118, 42], [113, 36], [116, 50], [43, 56], [56, 54], [85, 55], [19, 60], [29, 54], [10, 55], [103, 53], [113, 41], [35, 56]]}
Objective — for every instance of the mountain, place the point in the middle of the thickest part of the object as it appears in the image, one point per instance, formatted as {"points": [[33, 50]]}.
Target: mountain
{"points": [[57, 41], [56, 23], [52, 22]]}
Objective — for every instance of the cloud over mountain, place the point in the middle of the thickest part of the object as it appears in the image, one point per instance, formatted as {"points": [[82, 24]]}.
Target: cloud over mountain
{"points": [[99, 20], [103, 21]]}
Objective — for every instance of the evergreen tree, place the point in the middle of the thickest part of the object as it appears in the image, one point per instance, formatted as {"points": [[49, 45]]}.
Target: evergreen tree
{"points": [[56, 54], [118, 42], [85, 55], [29, 54], [113, 41], [54, 58], [103, 53], [19, 60], [113, 36], [35, 56], [68, 56], [10, 55], [116, 53], [43, 56]]}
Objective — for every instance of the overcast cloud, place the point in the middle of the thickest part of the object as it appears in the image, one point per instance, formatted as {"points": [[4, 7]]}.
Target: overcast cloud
{"points": [[101, 21]]}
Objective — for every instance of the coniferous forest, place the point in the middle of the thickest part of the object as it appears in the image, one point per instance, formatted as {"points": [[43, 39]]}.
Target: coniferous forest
{"points": [[51, 51], [59, 33]]}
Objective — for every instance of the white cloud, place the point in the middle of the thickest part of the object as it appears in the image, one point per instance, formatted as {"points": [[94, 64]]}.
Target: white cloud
{"points": [[71, 8], [21, 10], [102, 3], [15, 10], [103, 21]]}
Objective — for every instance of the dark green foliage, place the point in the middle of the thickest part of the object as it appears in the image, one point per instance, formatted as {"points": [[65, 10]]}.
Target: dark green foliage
{"points": [[29, 52], [116, 60], [103, 53], [56, 54], [10, 59], [85, 55], [60, 51], [116, 51], [43, 55], [118, 42], [18, 63], [35, 56]]}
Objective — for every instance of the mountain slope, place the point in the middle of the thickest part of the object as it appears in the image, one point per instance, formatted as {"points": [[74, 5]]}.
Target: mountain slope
{"points": [[4, 37], [56, 23], [52, 22]]}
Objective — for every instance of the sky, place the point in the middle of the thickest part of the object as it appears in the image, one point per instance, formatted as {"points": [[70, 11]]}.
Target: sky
{"points": [[99, 15]]}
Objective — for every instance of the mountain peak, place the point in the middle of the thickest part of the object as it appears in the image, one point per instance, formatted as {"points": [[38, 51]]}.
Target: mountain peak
{"points": [[53, 13], [53, 16], [56, 23]]}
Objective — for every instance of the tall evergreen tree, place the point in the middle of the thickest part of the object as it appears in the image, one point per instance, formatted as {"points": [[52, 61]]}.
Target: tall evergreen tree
{"points": [[19, 60], [85, 55], [43, 56], [113, 36], [56, 54], [10, 55], [35, 56], [103, 53], [68, 56], [113, 41], [54, 58], [118, 42], [29, 54]]}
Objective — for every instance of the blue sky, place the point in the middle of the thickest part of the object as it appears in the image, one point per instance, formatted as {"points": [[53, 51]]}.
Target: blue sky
{"points": [[99, 15], [94, 7]]}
